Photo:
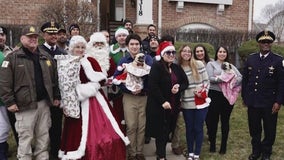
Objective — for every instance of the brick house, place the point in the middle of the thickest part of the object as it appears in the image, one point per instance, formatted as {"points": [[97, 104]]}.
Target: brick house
{"points": [[214, 14]]}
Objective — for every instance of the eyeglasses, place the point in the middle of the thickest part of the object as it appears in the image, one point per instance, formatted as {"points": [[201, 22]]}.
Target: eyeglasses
{"points": [[168, 53], [187, 51]]}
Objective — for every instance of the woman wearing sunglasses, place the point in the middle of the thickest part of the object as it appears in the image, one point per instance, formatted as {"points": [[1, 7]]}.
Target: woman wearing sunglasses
{"points": [[166, 82]]}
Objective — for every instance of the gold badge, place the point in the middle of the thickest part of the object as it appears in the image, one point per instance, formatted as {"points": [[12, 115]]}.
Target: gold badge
{"points": [[52, 24], [48, 63], [271, 69], [32, 29]]}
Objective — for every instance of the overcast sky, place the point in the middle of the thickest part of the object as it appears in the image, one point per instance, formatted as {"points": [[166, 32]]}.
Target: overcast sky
{"points": [[258, 5]]}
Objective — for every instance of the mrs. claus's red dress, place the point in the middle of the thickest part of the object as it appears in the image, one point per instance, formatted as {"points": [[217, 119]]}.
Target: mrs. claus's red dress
{"points": [[95, 135]]}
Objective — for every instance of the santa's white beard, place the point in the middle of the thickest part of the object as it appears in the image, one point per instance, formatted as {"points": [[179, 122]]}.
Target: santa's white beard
{"points": [[102, 57]]}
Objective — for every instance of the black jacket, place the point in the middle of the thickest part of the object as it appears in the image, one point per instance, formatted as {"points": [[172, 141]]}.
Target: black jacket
{"points": [[160, 85], [263, 80]]}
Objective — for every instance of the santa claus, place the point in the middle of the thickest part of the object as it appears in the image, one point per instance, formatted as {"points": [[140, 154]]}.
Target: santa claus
{"points": [[97, 48]]}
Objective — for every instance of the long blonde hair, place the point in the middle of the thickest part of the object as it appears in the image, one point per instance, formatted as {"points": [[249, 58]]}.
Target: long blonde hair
{"points": [[192, 63]]}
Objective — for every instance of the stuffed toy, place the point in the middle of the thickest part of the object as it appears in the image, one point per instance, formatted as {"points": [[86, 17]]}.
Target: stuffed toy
{"points": [[201, 98], [132, 73]]}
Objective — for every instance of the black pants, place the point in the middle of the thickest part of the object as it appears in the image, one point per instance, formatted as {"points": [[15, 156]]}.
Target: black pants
{"points": [[161, 143], [163, 138], [55, 130], [12, 120], [219, 108], [258, 119]]}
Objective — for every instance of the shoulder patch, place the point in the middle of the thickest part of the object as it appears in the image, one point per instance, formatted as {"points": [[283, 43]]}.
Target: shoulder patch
{"points": [[5, 64]]}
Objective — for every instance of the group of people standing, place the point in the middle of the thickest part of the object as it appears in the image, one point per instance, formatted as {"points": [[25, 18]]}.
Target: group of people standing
{"points": [[113, 97]]}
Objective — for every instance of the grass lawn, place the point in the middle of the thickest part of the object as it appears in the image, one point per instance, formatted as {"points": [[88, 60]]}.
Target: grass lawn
{"points": [[238, 147]]}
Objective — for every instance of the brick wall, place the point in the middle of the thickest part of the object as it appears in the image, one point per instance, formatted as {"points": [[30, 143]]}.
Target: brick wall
{"points": [[234, 17], [20, 12]]}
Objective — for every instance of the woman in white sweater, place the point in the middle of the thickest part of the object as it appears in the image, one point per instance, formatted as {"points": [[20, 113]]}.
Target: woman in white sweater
{"points": [[219, 108], [194, 101]]}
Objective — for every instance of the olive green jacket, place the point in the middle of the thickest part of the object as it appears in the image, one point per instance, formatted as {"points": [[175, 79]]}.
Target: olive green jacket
{"points": [[17, 81]]}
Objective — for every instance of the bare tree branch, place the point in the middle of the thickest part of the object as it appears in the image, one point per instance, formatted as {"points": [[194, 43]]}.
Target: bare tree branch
{"points": [[66, 12]]}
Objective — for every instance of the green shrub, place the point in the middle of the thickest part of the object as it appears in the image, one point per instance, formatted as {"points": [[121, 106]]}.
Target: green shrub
{"points": [[210, 49], [249, 47]]}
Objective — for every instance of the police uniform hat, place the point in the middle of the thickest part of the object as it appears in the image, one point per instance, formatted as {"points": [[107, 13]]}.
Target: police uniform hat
{"points": [[265, 35], [63, 30], [3, 30], [50, 27], [29, 30]]}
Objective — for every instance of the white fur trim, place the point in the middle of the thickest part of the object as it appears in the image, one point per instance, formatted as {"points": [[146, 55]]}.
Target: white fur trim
{"points": [[208, 100], [92, 75], [204, 105], [116, 81], [60, 153], [166, 49], [87, 90], [121, 31], [80, 152], [158, 58], [120, 68]]}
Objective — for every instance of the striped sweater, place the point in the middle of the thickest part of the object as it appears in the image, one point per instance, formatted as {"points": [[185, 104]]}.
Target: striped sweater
{"points": [[187, 100]]}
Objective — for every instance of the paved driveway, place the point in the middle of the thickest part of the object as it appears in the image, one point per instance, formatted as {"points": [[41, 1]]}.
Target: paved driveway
{"points": [[150, 149]]}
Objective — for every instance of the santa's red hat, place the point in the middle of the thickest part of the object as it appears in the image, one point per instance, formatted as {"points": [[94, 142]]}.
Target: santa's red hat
{"points": [[203, 101], [163, 47]]}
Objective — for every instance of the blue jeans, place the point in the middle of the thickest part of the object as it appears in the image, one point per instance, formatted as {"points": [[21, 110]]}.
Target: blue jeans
{"points": [[3, 150], [194, 120]]}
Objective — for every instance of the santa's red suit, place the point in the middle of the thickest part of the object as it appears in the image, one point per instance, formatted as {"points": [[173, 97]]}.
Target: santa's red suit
{"points": [[95, 135]]}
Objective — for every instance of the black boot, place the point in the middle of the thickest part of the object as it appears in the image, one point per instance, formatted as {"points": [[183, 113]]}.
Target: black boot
{"points": [[223, 149]]}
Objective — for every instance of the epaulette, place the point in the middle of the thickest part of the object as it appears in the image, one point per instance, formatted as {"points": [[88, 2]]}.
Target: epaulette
{"points": [[253, 54], [278, 55]]}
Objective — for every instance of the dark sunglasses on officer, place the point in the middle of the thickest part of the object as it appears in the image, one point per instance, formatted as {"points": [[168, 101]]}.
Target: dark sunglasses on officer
{"points": [[265, 41]]}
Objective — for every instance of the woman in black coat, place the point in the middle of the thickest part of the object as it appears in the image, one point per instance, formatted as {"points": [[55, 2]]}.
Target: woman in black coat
{"points": [[166, 82]]}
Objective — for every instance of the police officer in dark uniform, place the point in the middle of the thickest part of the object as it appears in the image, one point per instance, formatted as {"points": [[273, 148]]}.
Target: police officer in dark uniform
{"points": [[263, 94], [49, 33]]}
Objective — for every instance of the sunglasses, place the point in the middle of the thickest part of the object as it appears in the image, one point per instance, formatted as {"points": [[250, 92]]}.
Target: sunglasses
{"points": [[168, 53], [265, 41]]}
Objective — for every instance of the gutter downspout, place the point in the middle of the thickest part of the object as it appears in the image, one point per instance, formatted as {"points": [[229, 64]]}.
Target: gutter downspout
{"points": [[98, 15], [124, 10], [250, 19], [160, 18]]}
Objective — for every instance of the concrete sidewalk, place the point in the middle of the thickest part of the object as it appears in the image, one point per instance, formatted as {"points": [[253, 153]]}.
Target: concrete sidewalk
{"points": [[150, 149]]}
